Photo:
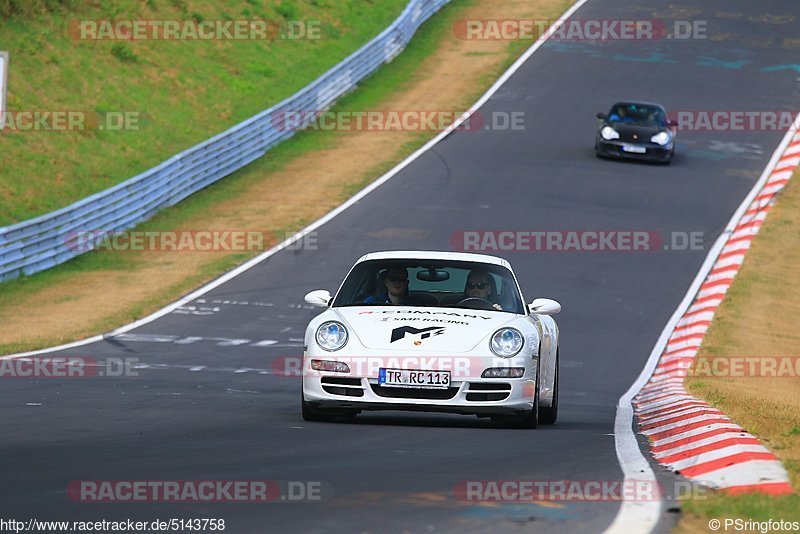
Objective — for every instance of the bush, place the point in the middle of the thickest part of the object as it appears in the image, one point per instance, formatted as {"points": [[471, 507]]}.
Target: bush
{"points": [[123, 52]]}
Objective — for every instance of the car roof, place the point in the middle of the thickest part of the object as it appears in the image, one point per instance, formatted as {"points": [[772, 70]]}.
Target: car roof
{"points": [[638, 103], [433, 255]]}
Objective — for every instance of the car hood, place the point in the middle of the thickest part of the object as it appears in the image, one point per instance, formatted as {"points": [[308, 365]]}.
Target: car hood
{"points": [[628, 130], [444, 330]]}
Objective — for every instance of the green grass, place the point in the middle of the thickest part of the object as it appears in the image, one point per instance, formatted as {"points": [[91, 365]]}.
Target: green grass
{"points": [[385, 82], [758, 317], [757, 507], [183, 91], [379, 88]]}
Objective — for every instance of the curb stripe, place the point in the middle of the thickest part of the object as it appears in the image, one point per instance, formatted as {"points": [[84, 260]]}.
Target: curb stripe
{"points": [[693, 437], [686, 434], [714, 465], [674, 447], [707, 448]]}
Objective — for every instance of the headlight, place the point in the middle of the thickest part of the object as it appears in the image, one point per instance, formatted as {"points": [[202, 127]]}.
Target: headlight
{"points": [[330, 365], [331, 335], [504, 372], [661, 138], [506, 342], [608, 133]]}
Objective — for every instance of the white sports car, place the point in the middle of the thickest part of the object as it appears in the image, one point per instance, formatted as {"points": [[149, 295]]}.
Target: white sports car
{"points": [[431, 331]]}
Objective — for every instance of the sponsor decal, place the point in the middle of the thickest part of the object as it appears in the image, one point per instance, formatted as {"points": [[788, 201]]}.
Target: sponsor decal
{"points": [[423, 333], [423, 319], [426, 312]]}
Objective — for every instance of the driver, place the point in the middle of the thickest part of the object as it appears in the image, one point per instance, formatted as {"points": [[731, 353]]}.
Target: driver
{"points": [[395, 281], [479, 286], [621, 115]]}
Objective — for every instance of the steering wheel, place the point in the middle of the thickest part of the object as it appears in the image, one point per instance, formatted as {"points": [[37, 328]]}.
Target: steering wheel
{"points": [[477, 303]]}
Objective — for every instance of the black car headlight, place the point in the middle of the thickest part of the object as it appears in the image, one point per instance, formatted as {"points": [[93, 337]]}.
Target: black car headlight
{"points": [[661, 138], [608, 133]]}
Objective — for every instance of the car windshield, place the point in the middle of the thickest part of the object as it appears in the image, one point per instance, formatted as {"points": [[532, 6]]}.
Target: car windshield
{"points": [[637, 114], [431, 283]]}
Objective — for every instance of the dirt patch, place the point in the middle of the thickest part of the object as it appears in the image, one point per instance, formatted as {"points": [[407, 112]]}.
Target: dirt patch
{"points": [[79, 304]]}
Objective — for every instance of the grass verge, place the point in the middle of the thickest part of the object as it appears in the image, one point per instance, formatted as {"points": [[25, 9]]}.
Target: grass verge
{"points": [[293, 185], [758, 318], [178, 92]]}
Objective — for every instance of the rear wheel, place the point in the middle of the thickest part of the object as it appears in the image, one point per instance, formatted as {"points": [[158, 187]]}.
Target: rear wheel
{"points": [[548, 416]]}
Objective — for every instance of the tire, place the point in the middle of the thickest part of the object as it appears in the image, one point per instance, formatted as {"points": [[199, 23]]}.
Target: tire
{"points": [[321, 415], [313, 414], [531, 418], [548, 416]]}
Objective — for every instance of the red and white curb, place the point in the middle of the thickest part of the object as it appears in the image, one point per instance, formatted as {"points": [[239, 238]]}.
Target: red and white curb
{"points": [[686, 434]]}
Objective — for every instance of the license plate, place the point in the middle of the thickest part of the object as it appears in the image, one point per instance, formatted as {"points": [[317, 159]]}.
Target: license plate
{"points": [[635, 149], [411, 378]]}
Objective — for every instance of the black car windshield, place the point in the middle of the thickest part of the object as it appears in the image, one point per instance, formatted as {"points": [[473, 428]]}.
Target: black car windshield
{"points": [[431, 283], [638, 114]]}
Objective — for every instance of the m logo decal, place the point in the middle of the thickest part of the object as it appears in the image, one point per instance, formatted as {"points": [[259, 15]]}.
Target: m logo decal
{"points": [[423, 333]]}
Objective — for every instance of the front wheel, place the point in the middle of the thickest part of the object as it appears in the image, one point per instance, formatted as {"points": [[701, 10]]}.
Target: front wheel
{"points": [[529, 419], [548, 416], [321, 415]]}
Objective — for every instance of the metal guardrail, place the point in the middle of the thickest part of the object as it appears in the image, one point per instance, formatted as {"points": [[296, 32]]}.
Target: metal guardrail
{"points": [[43, 242]]}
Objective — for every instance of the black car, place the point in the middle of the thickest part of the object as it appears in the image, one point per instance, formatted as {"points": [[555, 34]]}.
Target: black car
{"points": [[638, 130]]}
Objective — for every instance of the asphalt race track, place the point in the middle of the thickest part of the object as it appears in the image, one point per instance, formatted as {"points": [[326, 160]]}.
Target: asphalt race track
{"points": [[206, 407]]}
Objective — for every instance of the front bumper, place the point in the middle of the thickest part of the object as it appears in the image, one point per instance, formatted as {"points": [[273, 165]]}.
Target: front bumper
{"points": [[614, 149], [474, 396]]}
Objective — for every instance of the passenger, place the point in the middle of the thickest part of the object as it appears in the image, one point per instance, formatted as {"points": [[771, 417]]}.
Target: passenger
{"points": [[395, 281]]}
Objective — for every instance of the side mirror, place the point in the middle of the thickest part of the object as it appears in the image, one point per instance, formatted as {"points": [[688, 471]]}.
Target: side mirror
{"points": [[319, 298], [672, 124], [544, 306], [601, 116]]}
